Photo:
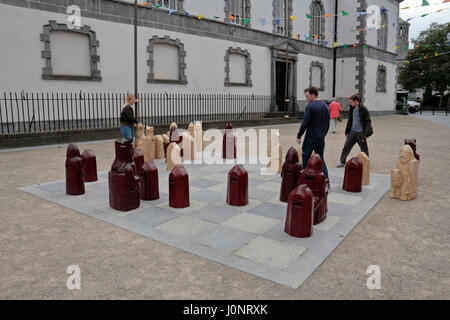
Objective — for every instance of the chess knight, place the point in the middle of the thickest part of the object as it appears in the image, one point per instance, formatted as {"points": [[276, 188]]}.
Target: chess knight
{"points": [[404, 177]]}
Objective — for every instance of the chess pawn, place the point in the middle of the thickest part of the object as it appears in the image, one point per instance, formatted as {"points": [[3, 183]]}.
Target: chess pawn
{"points": [[300, 212], [290, 174], [140, 136], [74, 171], [173, 156], [191, 130], [404, 177], [150, 152], [366, 168], [188, 146], [178, 187], [229, 143], [198, 136], [353, 175], [159, 147], [90, 166]]}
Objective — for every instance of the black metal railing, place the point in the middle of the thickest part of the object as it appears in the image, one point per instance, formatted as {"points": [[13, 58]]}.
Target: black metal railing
{"points": [[44, 112]]}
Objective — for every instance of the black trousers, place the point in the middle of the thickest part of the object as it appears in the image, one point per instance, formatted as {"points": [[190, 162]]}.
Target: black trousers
{"points": [[352, 138]]}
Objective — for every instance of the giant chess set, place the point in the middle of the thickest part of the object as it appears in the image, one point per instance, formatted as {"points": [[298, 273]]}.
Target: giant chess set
{"points": [[279, 226]]}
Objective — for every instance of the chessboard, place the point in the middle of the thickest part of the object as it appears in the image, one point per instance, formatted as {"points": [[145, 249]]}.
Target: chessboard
{"points": [[250, 238]]}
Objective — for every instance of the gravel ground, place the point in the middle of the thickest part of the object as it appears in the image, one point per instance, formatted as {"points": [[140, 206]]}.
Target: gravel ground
{"points": [[408, 240]]}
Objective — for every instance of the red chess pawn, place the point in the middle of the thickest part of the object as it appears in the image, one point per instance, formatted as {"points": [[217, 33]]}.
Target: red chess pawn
{"points": [[74, 171], [300, 212], [149, 185], [138, 159], [90, 166], [290, 173], [314, 178], [237, 190], [229, 143], [353, 175], [179, 188], [122, 181]]}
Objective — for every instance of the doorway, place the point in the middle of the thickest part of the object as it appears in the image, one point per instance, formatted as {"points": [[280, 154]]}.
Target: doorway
{"points": [[283, 81]]}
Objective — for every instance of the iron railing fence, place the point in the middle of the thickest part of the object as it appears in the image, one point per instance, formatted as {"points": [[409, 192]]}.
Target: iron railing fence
{"points": [[45, 112]]}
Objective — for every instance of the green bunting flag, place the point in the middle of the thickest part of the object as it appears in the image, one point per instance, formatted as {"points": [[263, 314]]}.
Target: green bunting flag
{"points": [[308, 16], [424, 15], [246, 20], [345, 13], [425, 3]]}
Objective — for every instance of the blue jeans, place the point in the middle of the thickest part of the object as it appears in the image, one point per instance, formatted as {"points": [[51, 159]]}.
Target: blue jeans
{"points": [[316, 145], [127, 132]]}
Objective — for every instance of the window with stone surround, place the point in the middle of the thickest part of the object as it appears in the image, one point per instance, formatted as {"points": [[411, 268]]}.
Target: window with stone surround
{"points": [[317, 75], [382, 32], [166, 61], [69, 54], [381, 79], [238, 67], [317, 22], [239, 10], [279, 15]]}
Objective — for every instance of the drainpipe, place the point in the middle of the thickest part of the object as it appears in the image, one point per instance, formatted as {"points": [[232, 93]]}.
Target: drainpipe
{"points": [[135, 58], [335, 49], [287, 30]]}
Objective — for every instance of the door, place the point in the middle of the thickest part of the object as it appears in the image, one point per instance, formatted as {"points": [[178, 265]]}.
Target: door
{"points": [[282, 89]]}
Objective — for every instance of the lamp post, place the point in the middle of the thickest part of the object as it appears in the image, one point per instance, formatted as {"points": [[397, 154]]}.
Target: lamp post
{"points": [[135, 58]]}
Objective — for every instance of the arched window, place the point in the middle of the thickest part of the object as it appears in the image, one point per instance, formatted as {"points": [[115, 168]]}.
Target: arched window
{"points": [[281, 23], [236, 11], [382, 39], [317, 23], [168, 4]]}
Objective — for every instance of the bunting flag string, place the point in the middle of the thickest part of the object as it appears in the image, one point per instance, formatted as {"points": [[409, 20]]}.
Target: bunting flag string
{"points": [[424, 4]]}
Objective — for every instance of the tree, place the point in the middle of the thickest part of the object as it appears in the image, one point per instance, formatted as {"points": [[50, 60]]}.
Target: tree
{"points": [[430, 71]]}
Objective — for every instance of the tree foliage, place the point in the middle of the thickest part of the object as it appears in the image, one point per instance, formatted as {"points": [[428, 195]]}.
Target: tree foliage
{"points": [[432, 72]]}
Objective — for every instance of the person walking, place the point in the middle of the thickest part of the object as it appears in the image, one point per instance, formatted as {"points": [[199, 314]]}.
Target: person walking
{"points": [[359, 128], [335, 108], [127, 119], [316, 123]]}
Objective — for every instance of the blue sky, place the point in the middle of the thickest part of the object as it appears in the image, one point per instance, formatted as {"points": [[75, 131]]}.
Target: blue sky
{"points": [[420, 24]]}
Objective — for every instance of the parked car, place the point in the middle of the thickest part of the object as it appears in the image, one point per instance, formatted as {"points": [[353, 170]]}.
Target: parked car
{"points": [[414, 104]]}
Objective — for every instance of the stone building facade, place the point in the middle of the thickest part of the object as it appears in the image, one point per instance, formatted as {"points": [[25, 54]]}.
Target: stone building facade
{"points": [[237, 46]]}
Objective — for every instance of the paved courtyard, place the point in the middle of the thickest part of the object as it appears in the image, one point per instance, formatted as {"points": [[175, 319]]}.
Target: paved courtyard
{"points": [[250, 238], [119, 257]]}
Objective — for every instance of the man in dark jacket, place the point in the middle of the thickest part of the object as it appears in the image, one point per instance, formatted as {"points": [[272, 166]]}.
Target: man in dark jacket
{"points": [[359, 128], [316, 123]]}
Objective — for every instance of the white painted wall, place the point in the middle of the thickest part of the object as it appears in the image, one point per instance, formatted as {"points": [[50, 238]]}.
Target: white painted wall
{"points": [[345, 77], [393, 12], [347, 23], [303, 64], [378, 101]]}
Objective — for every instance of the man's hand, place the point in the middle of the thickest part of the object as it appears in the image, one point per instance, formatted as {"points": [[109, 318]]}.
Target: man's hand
{"points": [[299, 141]]}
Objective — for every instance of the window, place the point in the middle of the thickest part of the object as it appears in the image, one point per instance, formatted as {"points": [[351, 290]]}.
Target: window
{"points": [[166, 61], [382, 35], [239, 10], [317, 23], [238, 68], [168, 4], [317, 75], [69, 54], [279, 12], [381, 79]]}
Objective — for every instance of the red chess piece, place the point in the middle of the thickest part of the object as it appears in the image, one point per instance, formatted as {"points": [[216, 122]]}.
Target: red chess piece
{"points": [[174, 136], [179, 188], [90, 166], [412, 143], [74, 171], [300, 212], [149, 186], [123, 183], [353, 175], [229, 143], [290, 173], [314, 178], [237, 191], [138, 159]]}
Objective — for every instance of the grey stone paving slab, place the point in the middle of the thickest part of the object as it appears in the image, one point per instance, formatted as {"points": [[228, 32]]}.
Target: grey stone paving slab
{"points": [[249, 238]]}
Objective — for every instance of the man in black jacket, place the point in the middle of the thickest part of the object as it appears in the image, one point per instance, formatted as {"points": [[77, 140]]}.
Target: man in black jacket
{"points": [[359, 128]]}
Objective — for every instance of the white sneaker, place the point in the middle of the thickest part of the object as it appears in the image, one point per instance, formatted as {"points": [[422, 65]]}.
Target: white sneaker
{"points": [[340, 165]]}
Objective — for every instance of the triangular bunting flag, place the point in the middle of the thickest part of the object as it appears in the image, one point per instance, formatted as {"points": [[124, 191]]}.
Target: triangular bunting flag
{"points": [[171, 11], [231, 17], [345, 13], [246, 20], [263, 21], [277, 21], [363, 13], [308, 16], [292, 18], [200, 16], [327, 15], [425, 3], [335, 44]]}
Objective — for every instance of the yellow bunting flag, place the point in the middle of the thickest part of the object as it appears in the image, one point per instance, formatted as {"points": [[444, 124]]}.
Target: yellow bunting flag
{"points": [[292, 18], [435, 54], [201, 16], [335, 44], [395, 48]]}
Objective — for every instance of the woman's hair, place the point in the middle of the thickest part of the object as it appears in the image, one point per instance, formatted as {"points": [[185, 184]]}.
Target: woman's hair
{"points": [[127, 100]]}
